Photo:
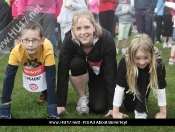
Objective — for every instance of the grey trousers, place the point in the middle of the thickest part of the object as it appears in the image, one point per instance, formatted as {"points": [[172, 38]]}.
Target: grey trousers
{"points": [[45, 20], [144, 21]]}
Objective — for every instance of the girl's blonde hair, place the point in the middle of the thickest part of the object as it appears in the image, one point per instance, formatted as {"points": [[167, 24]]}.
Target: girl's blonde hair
{"points": [[87, 14], [141, 42]]}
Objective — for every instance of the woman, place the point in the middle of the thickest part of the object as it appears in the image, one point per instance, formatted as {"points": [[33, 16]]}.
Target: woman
{"points": [[88, 57]]}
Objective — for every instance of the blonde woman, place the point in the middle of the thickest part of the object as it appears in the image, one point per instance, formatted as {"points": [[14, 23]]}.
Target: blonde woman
{"points": [[87, 58], [140, 70]]}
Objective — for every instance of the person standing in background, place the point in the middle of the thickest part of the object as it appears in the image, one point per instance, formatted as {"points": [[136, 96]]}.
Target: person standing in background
{"points": [[16, 21], [159, 19], [5, 19], [106, 14], [67, 10], [41, 11], [172, 54], [93, 7], [53, 37], [144, 13], [125, 13], [167, 27]]}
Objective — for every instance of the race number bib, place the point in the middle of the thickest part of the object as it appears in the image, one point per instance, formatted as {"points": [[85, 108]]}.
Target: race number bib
{"points": [[34, 79]]}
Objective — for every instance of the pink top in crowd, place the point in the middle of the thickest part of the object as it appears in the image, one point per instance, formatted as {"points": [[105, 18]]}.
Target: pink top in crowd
{"points": [[172, 11], [106, 5], [43, 6], [14, 5], [93, 6]]}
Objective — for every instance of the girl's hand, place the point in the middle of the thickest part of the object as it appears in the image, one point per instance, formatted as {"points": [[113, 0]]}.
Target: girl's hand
{"points": [[119, 115]]}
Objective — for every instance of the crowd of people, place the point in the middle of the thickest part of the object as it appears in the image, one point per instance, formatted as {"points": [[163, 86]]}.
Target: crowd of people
{"points": [[84, 31]]}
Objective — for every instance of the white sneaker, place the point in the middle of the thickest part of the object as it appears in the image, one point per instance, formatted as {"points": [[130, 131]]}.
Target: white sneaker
{"points": [[123, 51], [117, 50], [171, 62], [140, 115], [169, 45], [136, 31], [164, 45], [82, 106]]}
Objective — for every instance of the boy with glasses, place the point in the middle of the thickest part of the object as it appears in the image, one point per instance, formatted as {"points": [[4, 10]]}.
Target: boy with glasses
{"points": [[35, 53]]}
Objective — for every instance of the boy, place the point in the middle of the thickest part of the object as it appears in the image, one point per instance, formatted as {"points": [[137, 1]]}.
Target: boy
{"points": [[35, 53]]}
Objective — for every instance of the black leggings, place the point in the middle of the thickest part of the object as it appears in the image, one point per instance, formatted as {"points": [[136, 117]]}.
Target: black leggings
{"points": [[106, 20], [98, 94], [136, 104]]}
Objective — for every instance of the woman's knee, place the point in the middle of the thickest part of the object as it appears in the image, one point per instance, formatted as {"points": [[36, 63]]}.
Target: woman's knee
{"points": [[77, 66]]}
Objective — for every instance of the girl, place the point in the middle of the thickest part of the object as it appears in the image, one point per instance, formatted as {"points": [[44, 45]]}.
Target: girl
{"points": [[140, 69], [125, 12]]}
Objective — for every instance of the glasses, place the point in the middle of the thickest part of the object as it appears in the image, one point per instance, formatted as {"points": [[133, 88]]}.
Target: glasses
{"points": [[26, 41]]}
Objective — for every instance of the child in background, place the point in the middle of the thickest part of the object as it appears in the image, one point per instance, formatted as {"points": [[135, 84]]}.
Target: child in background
{"points": [[140, 70], [93, 7], [35, 53], [67, 10], [16, 20], [125, 12]]}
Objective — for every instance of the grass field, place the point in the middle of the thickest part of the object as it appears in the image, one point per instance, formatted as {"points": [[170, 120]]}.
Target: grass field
{"points": [[24, 105]]}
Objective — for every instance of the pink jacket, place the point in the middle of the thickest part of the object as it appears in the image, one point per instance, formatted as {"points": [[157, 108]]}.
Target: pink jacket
{"points": [[14, 5], [41, 6], [93, 5], [172, 11], [107, 5]]}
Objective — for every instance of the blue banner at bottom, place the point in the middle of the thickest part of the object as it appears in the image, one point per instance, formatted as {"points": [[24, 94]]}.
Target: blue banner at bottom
{"points": [[87, 122]]}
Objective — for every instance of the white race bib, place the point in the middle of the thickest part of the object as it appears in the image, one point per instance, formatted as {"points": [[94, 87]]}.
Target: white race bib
{"points": [[34, 79]]}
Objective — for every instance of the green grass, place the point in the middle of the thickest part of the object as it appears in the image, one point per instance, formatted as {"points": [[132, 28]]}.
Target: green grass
{"points": [[24, 104]]}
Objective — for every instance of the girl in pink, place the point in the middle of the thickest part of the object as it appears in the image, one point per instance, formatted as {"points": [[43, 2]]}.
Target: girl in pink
{"points": [[93, 7], [106, 13], [15, 22]]}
